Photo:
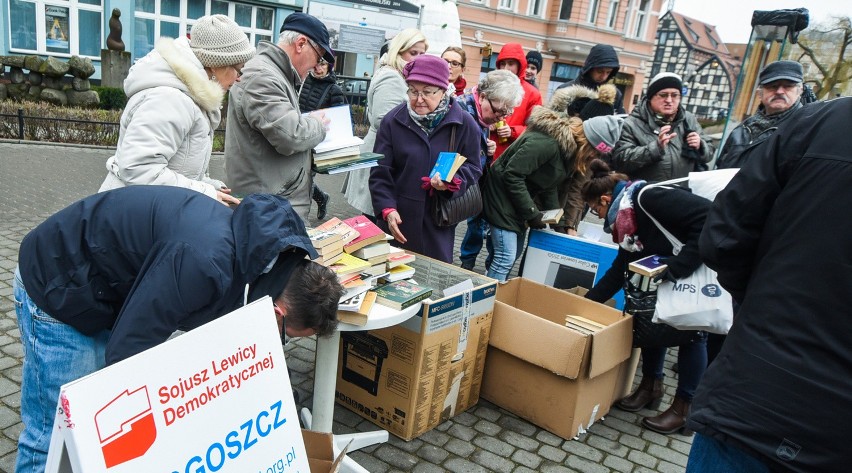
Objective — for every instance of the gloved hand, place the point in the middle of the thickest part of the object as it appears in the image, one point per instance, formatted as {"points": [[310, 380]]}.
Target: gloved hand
{"points": [[536, 222]]}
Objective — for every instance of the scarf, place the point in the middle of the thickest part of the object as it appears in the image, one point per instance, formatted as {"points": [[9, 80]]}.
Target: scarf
{"points": [[459, 85], [620, 219], [429, 121], [761, 122]]}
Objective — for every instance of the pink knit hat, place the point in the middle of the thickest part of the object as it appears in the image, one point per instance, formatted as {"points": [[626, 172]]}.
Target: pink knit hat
{"points": [[430, 70]]}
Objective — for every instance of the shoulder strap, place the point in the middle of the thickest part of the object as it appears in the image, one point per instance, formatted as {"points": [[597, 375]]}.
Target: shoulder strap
{"points": [[676, 244], [453, 139]]}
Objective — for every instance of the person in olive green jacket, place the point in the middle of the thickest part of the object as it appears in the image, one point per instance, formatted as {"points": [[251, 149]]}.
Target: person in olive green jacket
{"points": [[554, 149]]}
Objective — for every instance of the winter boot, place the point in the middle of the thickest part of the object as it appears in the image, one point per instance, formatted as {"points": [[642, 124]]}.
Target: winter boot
{"points": [[672, 420], [648, 394], [321, 198]]}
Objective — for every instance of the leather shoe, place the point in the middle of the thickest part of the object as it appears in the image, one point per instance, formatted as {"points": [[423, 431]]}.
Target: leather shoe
{"points": [[672, 420], [322, 205], [648, 394]]}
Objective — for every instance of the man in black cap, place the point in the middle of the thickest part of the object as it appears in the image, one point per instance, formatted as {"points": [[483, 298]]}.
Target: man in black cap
{"points": [[268, 141], [118, 272], [779, 91]]}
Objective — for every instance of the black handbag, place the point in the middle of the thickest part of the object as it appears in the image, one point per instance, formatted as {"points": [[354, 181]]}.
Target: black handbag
{"points": [[449, 212], [640, 304]]}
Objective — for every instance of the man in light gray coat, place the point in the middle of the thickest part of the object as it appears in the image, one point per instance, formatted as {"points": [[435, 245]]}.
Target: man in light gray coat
{"points": [[268, 141]]}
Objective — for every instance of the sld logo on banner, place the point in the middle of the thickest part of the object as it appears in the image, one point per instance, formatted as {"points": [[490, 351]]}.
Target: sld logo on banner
{"points": [[217, 398]]}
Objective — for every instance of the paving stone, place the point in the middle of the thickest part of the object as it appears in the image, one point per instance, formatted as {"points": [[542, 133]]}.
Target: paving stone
{"points": [[630, 441], [583, 450], [608, 446], [424, 467], [618, 464], [548, 438], [518, 425], [487, 428], [656, 437], [523, 469], [488, 413], [668, 455], [459, 447], [600, 430], [369, 462], [681, 446], [521, 441], [552, 453], [462, 432], [460, 465], [466, 418], [432, 453], [555, 468], [491, 461], [395, 457], [494, 445], [435, 437], [666, 467], [622, 426], [526, 458], [584, 465], [642, 458]]}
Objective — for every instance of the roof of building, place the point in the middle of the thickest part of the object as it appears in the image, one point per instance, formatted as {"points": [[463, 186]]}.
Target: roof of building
{"points": [[700, 35]]}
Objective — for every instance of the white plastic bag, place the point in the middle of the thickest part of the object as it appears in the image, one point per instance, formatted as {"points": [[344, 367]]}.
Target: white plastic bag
{"points": [[696, 302]]}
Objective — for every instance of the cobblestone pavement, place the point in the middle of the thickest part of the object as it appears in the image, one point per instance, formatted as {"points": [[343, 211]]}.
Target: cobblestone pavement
{"points": [[37, 180]]}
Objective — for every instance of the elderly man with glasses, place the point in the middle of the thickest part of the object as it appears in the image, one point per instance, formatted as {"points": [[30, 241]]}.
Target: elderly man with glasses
{"points": [[660, 139], [268, 140], [780, 93]]}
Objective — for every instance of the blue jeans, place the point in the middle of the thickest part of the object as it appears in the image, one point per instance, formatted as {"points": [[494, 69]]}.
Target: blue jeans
{"points": [[709, 455], [505, 248], [471, 244], [691, 361], [54, 354]]}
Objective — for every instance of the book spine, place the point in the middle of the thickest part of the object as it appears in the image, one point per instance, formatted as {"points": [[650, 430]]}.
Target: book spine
{"points": [[417, 299]]}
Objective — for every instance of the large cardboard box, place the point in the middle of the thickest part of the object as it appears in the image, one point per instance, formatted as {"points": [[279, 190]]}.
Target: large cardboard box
{"points": [[565, 262], [320, 449], [411, 377], [557, 378]]}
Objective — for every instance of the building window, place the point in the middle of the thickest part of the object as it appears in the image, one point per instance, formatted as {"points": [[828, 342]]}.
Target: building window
{"points": [[565, 9], [613, 13], [675, 52], [488, 64], [717, 80], [505, 4], [156, 18], [53, 27], [594, 5], [670, 67], [642, 13], [535, 8]]}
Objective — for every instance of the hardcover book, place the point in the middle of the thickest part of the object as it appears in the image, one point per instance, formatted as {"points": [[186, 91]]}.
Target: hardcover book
{"points": [[398, 256], [368, 233], [400, 295], [397, 273], [447, 165], [552, 216], [372, 250]]}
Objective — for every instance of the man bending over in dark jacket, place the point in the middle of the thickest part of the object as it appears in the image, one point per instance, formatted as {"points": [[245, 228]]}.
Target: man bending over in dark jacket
{"points": [[118, 272]]}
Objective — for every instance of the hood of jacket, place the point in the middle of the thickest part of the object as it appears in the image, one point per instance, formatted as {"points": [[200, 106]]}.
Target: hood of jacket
{"points": [[514, 51], [565, 96], [554, 124], [601, 55], [265, 226], [173, 64]]}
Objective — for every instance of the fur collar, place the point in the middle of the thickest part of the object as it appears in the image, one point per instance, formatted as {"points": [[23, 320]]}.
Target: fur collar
{"points": [[565, 96], [205, 92], [555, 125]]}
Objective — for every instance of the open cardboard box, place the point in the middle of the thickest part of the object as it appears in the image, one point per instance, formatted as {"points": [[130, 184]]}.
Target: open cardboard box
{"points": [[557, 378], [411, 377], [320, 449]]}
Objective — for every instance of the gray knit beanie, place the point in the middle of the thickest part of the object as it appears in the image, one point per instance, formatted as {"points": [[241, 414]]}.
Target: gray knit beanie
{"points": [[603, 132], [217, 42]]}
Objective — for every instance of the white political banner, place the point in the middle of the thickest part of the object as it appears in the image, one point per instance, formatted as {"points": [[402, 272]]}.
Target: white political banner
{"points": [[217, 398]]}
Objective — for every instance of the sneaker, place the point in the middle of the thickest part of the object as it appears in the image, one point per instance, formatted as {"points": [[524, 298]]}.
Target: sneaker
{"points": [[322, 205]]}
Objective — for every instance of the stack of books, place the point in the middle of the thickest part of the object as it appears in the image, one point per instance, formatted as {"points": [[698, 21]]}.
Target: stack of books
{"points": [[341, 149], [329, 239], [583, 325]]}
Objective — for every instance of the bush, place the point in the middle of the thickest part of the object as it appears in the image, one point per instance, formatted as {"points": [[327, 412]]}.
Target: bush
{"points": [[112, 98], [45, 122]]}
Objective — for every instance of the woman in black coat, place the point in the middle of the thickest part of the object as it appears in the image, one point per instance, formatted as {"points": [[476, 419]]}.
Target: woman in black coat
{"points": [[320, 90], [613, 197]]}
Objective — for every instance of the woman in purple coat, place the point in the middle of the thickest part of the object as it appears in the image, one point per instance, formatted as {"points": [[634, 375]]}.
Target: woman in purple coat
{"points": [[410, 138]]}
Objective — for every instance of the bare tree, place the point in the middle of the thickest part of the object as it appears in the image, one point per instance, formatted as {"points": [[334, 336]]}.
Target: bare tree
{"points": [[825, 45]]}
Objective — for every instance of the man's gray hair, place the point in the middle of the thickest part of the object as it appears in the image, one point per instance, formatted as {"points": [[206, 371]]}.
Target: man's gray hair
{"points": [[288, 37], [502, 87]]}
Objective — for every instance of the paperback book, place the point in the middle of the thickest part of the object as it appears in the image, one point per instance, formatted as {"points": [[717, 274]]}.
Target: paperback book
{"points": [[349, 264], [361, 315], [649, 266], [368, 233], [335, 225], [447, 165]]}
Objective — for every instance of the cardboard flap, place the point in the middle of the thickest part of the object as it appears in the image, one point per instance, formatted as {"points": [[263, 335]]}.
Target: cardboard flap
{"points": [[538, 341], [320, 449], [611, 346]]}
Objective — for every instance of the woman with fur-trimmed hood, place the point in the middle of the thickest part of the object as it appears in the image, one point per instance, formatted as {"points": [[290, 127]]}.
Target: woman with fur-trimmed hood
{"points": [[174, 96], [552, 154]]}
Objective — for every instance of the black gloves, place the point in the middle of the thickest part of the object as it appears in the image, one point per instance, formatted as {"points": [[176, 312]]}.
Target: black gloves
{"points": [[535, 222]]}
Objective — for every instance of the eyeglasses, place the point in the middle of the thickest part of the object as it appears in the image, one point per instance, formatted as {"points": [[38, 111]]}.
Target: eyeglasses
{"points": [[666, 96], [426, 94], [320, 60], [454, 63], [501, 112], [773, 86], [239, 71]]}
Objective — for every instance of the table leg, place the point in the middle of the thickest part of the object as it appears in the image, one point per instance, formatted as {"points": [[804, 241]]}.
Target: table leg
{"points": [[325, 380]]}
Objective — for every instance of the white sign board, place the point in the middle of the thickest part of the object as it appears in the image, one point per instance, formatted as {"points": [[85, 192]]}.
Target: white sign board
{"points": [[217, 398]]}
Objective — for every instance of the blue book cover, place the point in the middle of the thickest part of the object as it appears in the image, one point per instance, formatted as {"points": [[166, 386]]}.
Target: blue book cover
{"points": [[447, 165]]}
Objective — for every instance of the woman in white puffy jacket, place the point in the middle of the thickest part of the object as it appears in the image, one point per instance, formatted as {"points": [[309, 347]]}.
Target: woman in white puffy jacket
{"points": [[174, 97]]}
